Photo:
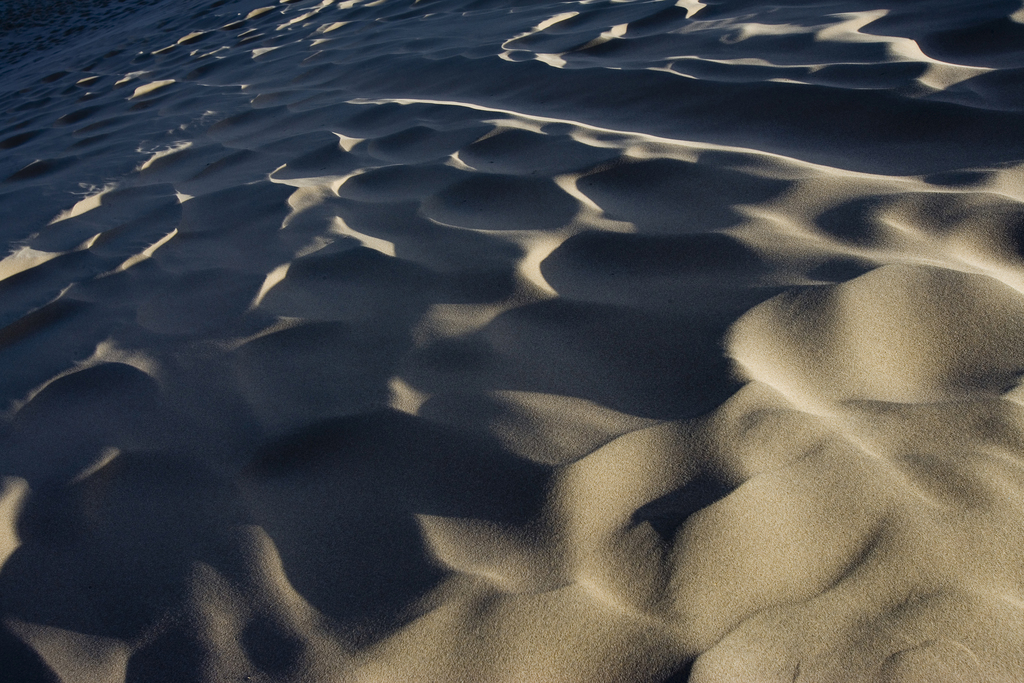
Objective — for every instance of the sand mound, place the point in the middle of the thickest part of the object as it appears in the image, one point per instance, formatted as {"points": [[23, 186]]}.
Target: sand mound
{"points": [[900, 333]]}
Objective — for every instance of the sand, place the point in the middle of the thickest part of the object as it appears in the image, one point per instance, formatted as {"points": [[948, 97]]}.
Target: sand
{"points": [[502, 341]]}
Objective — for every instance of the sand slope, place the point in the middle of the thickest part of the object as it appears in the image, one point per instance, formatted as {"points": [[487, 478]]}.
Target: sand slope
{"points": [[464, 340]]}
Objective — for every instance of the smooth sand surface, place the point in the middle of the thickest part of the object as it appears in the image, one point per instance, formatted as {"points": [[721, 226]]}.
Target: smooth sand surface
{"points": [[511, 341]]}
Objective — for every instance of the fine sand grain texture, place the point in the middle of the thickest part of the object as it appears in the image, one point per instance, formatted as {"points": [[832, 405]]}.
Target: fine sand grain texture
{"points": [[504, 341]]}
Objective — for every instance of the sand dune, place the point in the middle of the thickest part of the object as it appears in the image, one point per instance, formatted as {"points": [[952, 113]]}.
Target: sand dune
{"points": [[465, 340]]}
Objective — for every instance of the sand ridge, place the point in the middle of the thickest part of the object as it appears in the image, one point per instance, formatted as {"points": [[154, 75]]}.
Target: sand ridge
{"points": [[511, 341]]}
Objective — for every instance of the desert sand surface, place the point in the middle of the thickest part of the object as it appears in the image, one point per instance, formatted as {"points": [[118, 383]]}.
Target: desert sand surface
{"points": [[472, 341]]}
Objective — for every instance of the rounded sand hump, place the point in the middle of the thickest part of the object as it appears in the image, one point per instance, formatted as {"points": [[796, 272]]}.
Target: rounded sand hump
{"points": [[454, 341]]}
